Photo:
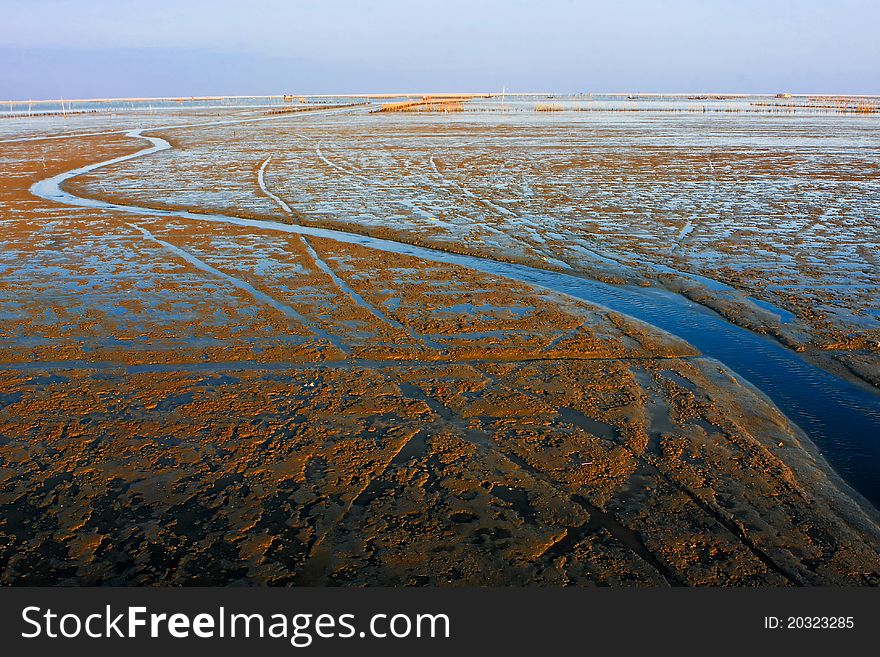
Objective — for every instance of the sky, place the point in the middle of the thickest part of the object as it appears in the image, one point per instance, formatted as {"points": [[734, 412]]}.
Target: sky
{"points": [[122, 48]]}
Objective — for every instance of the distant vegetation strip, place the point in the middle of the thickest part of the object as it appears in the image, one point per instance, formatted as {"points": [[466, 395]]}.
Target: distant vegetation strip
{"points": [[34, 115], [310, 107], [430, 104]]}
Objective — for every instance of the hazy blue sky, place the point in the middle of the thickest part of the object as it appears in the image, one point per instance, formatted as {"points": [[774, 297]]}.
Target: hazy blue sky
{"points": [[85, 48]]}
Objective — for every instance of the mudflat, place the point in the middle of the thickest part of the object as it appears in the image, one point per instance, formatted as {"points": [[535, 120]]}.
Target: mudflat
{"points": [[200, 400]]}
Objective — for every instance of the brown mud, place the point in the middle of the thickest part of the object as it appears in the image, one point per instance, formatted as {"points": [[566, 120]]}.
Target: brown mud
{"points": [[192, 403]]}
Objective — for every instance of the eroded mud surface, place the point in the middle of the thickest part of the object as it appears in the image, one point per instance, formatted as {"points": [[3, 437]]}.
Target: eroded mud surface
{"points": [[187, 402]]}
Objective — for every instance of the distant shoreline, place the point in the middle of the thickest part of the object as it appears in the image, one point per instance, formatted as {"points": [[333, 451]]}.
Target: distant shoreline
{"points": [[433, 94]]}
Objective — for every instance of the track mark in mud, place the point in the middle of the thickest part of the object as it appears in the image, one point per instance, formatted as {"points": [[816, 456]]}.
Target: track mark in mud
{"points": [[601, 520], [448, 182], [347, 172], [363, 303], [470, 193], [317, 556], [682, 235], [659, 423], [688, 227], [660, 416], [246, 287], [477, 200], [337, 280], [409, 205], [261, 180], [597, 518], [481, 201]]}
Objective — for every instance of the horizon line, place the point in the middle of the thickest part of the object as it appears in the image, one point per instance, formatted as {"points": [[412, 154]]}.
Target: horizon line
{"points": [[488, 94]]}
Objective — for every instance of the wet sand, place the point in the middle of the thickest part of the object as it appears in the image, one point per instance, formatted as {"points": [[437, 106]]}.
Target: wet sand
{"points": [[188, 402]]}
